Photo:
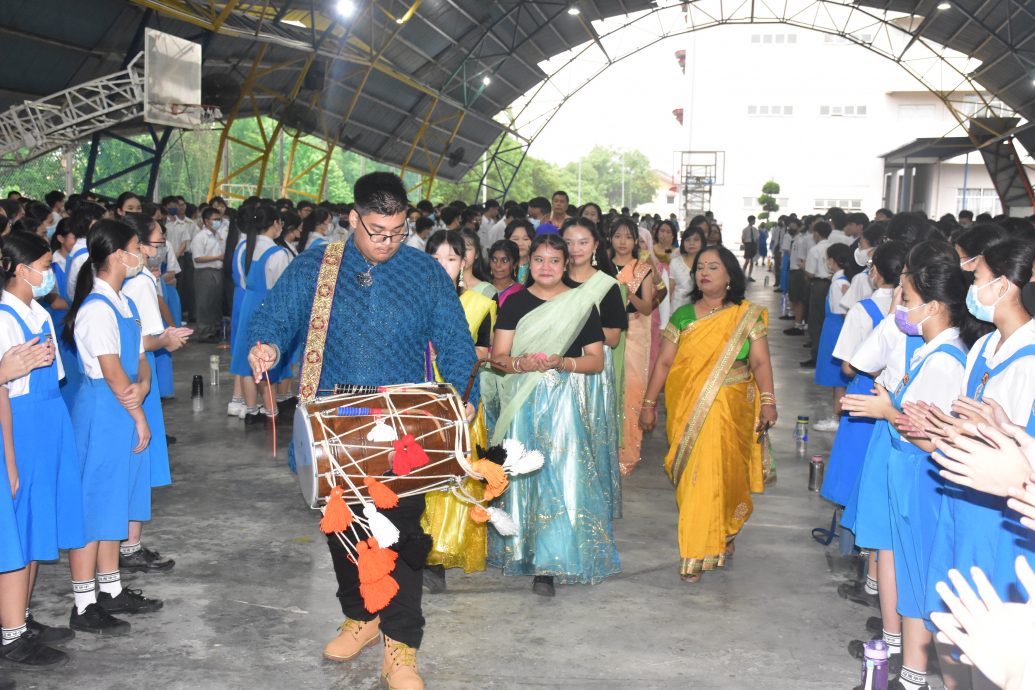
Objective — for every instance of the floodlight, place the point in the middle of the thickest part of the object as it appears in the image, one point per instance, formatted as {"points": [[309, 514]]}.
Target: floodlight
{"points": [[345, 8], [944, 5], [574, 11], [486, 80]]}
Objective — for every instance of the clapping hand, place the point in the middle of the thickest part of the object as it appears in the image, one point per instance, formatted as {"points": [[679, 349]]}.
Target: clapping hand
{"points": [[988, 458], [21, 359], [876, 406], [993, 636]]}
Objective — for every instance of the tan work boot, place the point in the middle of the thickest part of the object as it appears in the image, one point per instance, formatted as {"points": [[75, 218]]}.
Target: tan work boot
{"points": [[399, 670], [354, 637]]}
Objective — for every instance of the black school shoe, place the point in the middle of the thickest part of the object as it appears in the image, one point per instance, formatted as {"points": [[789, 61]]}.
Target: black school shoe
{"points": [[128, 601], [543, 585], [145, 561], [897, 685], [29, 654], [48, 634], [251, 419], [875, 625], [97, 621], [857, 650], [856, 593]]}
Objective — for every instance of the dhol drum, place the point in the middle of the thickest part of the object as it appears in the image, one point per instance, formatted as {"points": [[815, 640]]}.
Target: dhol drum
{"points": [[342, 439]]}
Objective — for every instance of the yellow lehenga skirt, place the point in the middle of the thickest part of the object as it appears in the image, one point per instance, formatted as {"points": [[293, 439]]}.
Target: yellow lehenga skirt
{"points": [[458, 541], [713, 460]]}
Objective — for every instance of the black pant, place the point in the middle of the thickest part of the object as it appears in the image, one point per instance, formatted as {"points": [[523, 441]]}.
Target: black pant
{"points": [[402, 619], [185, 284], [818, 289]]}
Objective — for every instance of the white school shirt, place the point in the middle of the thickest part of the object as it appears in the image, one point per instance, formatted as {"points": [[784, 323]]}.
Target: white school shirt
{"points": [[800, 250], [416, 242], [178, 232], [275, 266], [97, 329], [682, 282], [143, 290], [838, 286], [857, 330], [495, 234], [314, 238], [887, 343], [208, 243], [816, 259], [939, 381], [839, 237], [786, 240], [859, 290], [77, 263], [11, 334], [1014, 388]]}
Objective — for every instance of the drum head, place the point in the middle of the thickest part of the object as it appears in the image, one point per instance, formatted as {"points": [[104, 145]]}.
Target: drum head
{"points": [[302, 442]]}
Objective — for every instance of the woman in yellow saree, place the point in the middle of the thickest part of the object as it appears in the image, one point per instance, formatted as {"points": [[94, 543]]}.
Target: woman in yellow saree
{"points": [[458, 541], [715, 367]]}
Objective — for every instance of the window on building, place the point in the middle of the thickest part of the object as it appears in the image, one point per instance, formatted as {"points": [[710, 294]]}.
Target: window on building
{"points": [[842, 111], [973, 105], [916, 111], [978, 200], [844, 204], [770, 110], [774, 39]]}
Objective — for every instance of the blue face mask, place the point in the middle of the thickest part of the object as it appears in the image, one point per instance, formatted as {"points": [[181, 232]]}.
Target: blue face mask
{"points": [[45, 287], [172, 210], [981, 312], [535, 222], [51, 229]]}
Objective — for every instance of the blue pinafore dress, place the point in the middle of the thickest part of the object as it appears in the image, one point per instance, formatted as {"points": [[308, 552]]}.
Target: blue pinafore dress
{"points": [[976, 528], [870, 507], [49, 506], [828, 367], [235, 309], [914, 487], [12, 555], [116, 481], [158, 448], [163, 364], [69, 358], [254, 293], [853, 436]]}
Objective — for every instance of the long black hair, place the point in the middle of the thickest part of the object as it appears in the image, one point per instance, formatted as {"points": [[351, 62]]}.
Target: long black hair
{"points": [[551, 240], [106, 237], [257, 220], [690, 232], [603, 257], [1011, 259], [936, 276], [979, 237], [512, 252], [480, 270], [738, 285], [84, 215], [318, 216], [455, 241], [289, 222], [889, 258], [19, 248]]}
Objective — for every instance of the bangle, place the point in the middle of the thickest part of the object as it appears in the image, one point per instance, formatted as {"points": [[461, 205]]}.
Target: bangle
{"points": [[574, 364], [649, 403], [514, 363]]}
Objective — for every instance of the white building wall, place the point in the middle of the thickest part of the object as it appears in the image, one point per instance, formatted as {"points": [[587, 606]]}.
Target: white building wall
{"points": [[837, 108]]}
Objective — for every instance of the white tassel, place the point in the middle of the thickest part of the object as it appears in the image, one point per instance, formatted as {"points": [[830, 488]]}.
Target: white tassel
{"points": [[502, 521], [513, 448], [380, 527], [382, 433], [525, 463]]}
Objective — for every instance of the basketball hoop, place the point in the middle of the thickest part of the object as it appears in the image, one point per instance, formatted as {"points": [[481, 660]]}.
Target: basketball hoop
{"points": [[172, 82], [185, 115]]}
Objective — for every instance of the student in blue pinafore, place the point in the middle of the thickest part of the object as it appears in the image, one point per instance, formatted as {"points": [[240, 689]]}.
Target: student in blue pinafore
{"points": [[263, 262], [165, 266], [141, 287], [47, 502], [57, 305], [971, 529], [236, 407], [315, 227], [932, 306], [112, 433], [828, 368]]}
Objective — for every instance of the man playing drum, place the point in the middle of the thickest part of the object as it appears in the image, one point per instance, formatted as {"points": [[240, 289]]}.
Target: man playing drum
{"points": [[366, 313]]}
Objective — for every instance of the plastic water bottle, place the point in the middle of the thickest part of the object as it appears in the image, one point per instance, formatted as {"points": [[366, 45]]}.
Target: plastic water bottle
{"points": [[876, 654], [801, 434], [765, 282], [197, 393], [783, 304], [213, 370]]}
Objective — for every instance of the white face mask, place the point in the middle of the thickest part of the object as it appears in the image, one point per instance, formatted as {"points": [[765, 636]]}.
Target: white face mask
{"points": [[862, 257], [132, 271]]}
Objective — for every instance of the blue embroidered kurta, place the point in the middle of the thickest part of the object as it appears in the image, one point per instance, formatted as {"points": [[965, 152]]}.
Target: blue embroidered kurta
{"points": [[377, 335]]}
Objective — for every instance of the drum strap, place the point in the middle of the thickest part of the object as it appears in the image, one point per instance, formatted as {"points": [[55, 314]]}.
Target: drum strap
{"points": [[319, 318]]}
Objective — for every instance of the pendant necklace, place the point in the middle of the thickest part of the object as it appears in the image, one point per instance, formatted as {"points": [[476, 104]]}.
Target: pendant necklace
{"points": [[365, 279]]}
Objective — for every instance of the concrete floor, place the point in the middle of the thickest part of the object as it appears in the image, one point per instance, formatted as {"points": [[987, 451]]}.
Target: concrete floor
{"points": [[251, 602]]}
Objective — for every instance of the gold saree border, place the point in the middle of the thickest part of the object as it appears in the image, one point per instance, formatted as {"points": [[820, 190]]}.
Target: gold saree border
{"points": [[319, 318], [711, 389]]}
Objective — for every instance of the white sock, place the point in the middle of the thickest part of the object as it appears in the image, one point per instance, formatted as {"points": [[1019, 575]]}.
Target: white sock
{"points": [[871, 585], [894, 641], [11, 635], [85, 593], [253, 410], [237, 400], [127, 549], [110, 583], [912, 680]]}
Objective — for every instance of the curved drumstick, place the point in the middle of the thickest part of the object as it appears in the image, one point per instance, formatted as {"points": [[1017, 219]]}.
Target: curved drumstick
{"points": [[470, 379], [269, 395]]}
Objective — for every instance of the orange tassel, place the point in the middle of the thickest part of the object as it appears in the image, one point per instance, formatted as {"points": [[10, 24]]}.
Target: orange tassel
{"points": [[478, 514], [374, 562], [336, 515], [495, 477], [381, 495], [377, 595]]}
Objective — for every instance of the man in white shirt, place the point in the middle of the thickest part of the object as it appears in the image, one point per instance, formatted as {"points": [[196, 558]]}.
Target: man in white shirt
{"points": [[775, 244], [179, 232], [418, 239], [749, 243], [490, 216], [797, 283], [208, 248], [819, 284], [512, 213]]}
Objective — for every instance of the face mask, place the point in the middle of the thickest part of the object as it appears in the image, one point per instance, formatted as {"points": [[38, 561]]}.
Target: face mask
{"points": [[963, 264], [903, 322], [172, 210], [862, 257], [156, 261], [133, 270], [981, 312], [46, 286], [51, 229], [535, 222], [1028, 298]]}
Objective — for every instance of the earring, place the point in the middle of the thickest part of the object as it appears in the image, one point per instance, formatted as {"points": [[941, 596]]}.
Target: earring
{"points": [[727, 287], [460, 281], [593, 262]]}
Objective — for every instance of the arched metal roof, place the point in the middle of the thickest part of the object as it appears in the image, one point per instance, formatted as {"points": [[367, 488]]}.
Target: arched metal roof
{"points": [[404, 81]]}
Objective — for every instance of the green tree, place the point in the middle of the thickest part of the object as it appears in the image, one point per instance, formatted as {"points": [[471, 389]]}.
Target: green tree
{"points": [[767, 201]]}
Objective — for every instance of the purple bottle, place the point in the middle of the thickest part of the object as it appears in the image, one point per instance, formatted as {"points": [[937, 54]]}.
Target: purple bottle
{"points": [[876, 651]]}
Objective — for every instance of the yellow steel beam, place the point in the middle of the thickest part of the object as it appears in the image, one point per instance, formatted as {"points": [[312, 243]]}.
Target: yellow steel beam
{"points": [[419, 137]]}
